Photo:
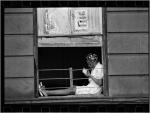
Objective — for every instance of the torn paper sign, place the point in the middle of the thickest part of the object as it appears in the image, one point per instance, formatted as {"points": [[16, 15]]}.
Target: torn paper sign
{"points": [[81, 20], [49, 23]]}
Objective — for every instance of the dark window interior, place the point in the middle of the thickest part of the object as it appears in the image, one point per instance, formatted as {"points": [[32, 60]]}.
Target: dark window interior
{"points": [[64, 58]]}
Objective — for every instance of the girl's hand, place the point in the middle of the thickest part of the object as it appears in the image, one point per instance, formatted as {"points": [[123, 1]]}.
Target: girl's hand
{"points": [[86, 72]]}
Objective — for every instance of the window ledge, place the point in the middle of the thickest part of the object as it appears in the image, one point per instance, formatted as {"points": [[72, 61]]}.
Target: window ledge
{"points": [[81, 99]]}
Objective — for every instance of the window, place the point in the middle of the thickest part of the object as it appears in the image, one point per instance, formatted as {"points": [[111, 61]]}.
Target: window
{"points": [[65, 36]]}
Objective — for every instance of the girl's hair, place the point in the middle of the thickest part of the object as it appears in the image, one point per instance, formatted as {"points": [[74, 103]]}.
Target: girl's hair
{"points": [[91, 57]]}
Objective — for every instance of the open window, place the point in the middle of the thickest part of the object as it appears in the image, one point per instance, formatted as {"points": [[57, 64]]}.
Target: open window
{"points": [[65, 36], [56, 64]]}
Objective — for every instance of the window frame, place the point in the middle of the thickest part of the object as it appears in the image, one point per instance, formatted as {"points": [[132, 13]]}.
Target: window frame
{"points": [[103, 50]]}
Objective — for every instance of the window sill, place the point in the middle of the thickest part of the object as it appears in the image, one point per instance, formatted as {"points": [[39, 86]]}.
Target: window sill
{"points": [[82, 99]]}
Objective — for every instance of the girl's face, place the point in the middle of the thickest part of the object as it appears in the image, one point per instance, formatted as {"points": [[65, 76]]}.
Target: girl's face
{"points": [[91, 64]]}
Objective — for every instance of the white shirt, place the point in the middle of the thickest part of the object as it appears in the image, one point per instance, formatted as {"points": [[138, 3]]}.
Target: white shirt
{"points": [[92, 87], [97, 73]]}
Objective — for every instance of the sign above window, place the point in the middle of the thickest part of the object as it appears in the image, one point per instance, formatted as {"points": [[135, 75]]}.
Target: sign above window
{"points": [[69, 21], [81, 20], [53, 21]]}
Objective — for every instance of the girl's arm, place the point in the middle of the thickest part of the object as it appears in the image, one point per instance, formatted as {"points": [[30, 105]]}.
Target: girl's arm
{"points": [[97, 81]]}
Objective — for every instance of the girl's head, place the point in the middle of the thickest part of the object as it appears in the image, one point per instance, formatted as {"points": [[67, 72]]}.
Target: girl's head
{"points": [[91, 60]]}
